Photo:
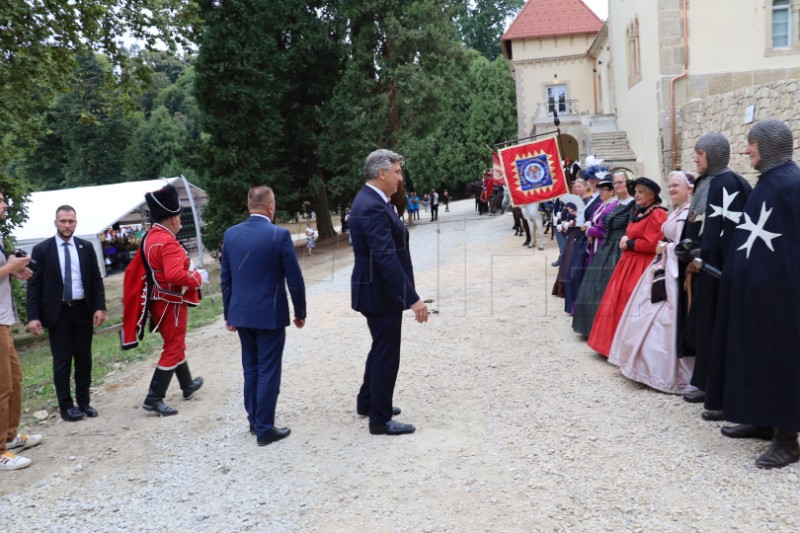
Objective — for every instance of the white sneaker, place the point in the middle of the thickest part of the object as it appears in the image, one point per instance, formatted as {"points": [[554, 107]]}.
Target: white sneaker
{"points": [[9, 461], [23, 442]]}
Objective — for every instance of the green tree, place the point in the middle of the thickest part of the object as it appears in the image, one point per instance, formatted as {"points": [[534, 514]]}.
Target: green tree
{"points": [[156, 147], [40, 39], [263, 69], [86, 132], [483, 22], [481, 112], [401, 73]]}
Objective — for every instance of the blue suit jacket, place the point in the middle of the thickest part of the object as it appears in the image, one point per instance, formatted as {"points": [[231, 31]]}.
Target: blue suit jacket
{"points": [[383, 277], [258, 261]]}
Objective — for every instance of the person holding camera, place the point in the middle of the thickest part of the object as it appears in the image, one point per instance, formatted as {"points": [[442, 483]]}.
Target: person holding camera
{"points": [[10, 370]]}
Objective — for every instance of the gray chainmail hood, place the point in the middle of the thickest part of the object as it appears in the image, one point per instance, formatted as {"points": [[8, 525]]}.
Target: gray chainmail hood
{"points": [[718, 154], [775, 144]]}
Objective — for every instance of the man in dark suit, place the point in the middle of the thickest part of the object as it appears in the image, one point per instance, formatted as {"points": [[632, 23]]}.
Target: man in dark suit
{"points": [[258, 262], [382, 287], [66, 296]]}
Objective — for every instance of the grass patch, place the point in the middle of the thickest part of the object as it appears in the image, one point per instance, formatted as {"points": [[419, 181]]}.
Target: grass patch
{"points": [[108, 356]]}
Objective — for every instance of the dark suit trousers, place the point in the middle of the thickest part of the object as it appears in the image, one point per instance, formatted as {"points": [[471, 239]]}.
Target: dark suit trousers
{"points": [[71, 338], [382, 365], [262, 353]]}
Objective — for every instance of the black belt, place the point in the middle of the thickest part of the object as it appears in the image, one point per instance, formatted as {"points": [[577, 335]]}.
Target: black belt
{"points": [[73, 303]]}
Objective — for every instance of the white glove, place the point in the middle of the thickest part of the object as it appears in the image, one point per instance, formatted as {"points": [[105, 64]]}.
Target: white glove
{"points": [[203, 275]]}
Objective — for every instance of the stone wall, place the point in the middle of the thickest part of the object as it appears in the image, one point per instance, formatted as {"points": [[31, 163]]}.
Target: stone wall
{"points": [[725, 113]]}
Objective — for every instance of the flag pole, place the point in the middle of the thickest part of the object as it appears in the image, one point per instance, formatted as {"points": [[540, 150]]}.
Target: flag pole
{"points": [[525, 138], [557, 124]]}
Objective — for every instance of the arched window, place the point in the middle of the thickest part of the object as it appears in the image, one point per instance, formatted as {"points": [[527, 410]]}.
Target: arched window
{"points": [[781, 24], [634, 53]]}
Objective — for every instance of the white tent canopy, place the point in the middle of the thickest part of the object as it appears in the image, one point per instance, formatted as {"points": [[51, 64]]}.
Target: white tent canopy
{"points": [[96, 209]]}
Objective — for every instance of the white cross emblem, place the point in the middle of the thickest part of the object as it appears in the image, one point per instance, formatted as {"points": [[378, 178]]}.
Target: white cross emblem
{"points": [[757, 230], [724, 211]]}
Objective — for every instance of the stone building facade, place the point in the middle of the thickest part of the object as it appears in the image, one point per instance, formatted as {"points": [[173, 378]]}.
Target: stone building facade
{"points": [[662, 72], [727, 113]]}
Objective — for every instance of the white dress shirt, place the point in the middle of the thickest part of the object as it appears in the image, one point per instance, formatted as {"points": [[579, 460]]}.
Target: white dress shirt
{"points": [[77, 281]]}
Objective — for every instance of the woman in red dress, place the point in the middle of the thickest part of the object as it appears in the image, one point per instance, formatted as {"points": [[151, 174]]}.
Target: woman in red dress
{"points": [[638, 249]]}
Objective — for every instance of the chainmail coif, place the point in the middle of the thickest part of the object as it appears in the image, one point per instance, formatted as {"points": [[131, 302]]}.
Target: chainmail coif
{"points": [[717, 150], [775, 145], [718, 154]]}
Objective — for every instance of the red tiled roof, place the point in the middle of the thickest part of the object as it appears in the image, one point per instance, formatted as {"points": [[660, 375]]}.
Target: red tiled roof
{"points": [[548, 18]]}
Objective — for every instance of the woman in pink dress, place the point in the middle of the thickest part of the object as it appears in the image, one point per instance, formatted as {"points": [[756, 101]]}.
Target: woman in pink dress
{"points": [[645, 347], [638, 249]]}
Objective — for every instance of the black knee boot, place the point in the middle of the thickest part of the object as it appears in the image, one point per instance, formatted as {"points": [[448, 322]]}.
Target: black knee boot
{"points": [[188, 385], [783, 451], [158, 389]]}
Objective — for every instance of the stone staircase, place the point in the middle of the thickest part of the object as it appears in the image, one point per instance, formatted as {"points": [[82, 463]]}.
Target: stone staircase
{"points": [[613, 148]]}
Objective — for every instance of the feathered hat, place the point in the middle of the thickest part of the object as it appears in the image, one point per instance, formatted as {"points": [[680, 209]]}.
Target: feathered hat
{"points": [[594, 168]]}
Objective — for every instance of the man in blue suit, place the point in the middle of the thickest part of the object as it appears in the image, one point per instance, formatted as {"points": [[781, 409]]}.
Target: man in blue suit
{"points": [[258, 262], [382, 287]]}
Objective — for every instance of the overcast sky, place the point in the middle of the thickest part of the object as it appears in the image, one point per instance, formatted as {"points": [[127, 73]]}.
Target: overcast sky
{"points": [[600, 7]]}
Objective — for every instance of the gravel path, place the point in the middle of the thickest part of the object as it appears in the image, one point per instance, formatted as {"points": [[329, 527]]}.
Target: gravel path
{"points": [[520, 427]]}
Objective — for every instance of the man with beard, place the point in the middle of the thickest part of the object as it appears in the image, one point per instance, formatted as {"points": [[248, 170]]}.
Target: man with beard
{"points": [[66, 296], [759, 327], [716, 209]]}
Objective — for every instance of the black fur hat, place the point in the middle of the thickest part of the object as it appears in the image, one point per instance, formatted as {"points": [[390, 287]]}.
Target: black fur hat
{"points": [[163, 203]]}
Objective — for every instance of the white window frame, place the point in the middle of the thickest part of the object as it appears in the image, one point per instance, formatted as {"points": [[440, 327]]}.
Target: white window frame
{"points": [[556, 91], [786, 9]]}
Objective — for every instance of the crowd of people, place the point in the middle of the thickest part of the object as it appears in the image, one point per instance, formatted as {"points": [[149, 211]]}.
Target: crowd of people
{"points": [[700, 301], [644, 289], [119, 243]]}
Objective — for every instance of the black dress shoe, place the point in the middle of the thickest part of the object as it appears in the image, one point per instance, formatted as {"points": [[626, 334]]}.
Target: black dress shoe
{"points": [[252, 430], [783, 451], [364, 411], [272, 435], [159, 407], [72, 414], [712, 415], [391, 427], [695, 397], [746, 431], [90, 411], [779, 454]]}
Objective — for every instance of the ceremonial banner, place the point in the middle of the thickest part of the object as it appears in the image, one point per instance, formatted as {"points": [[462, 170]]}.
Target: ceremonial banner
{"points": [[533, 171], [497, 170]]}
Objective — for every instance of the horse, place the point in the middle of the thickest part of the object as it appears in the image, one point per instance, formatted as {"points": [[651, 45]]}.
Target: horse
{"points": [[532, 214], [474, 188]]}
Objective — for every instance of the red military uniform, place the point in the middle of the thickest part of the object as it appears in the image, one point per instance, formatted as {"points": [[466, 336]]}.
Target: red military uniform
{"points": [[174, 288], [159, 282]]}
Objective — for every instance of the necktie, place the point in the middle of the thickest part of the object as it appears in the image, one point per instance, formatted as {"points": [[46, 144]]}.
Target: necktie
{"points": [[67, 274]]}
